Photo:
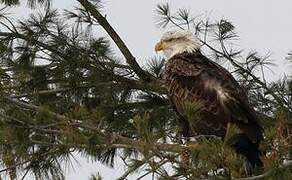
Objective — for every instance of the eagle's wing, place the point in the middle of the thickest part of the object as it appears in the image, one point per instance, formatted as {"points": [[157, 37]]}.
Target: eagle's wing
{"points": [[196, 78]]}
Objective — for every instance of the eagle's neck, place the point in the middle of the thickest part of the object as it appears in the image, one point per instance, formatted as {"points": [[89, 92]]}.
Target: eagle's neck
{"points": [[182, 47]]}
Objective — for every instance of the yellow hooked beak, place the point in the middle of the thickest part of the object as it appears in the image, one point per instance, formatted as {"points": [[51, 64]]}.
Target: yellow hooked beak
{"points": [[160, 46]]}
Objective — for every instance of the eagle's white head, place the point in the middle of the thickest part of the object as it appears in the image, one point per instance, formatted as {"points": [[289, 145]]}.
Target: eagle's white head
{"points": [[176, 42]]}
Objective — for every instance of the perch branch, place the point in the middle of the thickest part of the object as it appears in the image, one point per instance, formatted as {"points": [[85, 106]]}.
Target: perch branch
{"points": [[266, 174]]}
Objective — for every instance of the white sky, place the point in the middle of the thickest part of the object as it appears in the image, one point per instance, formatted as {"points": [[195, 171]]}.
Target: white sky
{"points": [[263, 25]]}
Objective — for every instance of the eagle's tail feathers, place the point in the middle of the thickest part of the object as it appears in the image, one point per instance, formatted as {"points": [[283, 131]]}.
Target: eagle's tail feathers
{"points": [[245, 147]]}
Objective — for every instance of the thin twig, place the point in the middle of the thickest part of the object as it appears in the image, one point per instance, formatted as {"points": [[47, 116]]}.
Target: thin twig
{"points": [[25, 174], [131, 170]]}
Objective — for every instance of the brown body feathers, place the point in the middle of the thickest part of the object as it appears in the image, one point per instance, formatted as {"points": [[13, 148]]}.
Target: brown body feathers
{"points": [[191, 77]]}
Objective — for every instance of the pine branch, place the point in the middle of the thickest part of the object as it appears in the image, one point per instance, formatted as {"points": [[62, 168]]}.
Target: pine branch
{"points": [[155, 86], [131, 170], [118, 141], [81, 146], [14, 166], [50, 91], [30, 159], [115, 138], [131, 60], [267, 174], [132, 105], [31, 39]]}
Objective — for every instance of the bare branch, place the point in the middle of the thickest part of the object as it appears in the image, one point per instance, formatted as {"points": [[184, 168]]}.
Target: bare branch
{"points": [[131, 60]]}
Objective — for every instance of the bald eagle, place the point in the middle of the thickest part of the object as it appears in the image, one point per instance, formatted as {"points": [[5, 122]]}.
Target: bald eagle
{"points": [[192, 77]]}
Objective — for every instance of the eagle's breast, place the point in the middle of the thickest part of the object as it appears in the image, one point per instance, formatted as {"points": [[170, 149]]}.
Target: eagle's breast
{"points": [[191, 77], [187, 81]]}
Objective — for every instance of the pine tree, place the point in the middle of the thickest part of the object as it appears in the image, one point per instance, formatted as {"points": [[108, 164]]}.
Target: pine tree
{"points": [[64, 90]]}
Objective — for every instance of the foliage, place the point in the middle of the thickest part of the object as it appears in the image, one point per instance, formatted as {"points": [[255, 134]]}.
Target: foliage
{"points": [[64, 90]]}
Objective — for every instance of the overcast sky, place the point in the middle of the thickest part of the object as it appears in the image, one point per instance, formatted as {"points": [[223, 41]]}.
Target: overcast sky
{"points": [[263, 25]]}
